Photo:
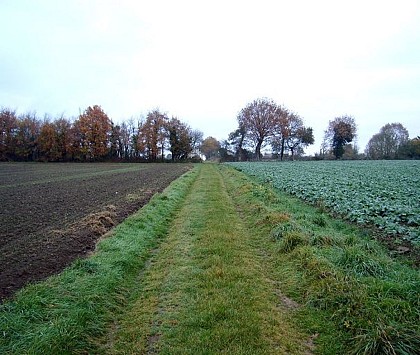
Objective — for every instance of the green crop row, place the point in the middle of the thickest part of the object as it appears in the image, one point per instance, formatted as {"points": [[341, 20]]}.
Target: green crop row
{"points": [[385, 194]]}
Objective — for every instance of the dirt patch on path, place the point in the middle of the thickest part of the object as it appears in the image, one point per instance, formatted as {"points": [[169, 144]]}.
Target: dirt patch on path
{"points": [[54, 213]]}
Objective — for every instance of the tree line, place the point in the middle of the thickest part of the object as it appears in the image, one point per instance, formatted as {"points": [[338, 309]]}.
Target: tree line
{"points": [[263, 123], [93, 136]]}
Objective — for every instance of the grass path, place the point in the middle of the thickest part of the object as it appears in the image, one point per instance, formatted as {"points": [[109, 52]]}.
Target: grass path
{"points": [[206, 290]]}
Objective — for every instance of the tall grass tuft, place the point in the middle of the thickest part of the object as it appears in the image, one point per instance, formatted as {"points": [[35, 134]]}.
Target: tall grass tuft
{"points": [[291, 241], [354, 259], [281, 230]]}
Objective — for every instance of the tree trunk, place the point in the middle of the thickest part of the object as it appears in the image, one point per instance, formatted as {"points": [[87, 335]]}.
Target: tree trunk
{"points": [[282, 149], [258, 150]]}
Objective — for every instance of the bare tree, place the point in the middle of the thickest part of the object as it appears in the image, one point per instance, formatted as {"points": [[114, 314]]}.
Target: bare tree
{"points": [[292, 134], [152, 135], [196, 140], [300, 137]]}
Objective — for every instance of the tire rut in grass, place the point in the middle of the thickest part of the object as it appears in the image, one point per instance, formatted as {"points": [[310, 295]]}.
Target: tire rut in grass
{"points": [[206, 290]]}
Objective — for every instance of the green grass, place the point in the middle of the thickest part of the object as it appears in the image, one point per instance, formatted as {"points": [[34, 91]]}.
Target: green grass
{"points": [[357, 298], [62, 314], [206, 290]]}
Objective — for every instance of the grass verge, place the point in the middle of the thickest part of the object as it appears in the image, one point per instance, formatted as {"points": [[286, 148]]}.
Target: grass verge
{"points": [[64, 313], [354, 296]]}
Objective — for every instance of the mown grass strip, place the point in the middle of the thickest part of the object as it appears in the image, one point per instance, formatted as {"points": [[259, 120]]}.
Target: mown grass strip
{"points": [[356, 298], [64, 313], [206, 291]]}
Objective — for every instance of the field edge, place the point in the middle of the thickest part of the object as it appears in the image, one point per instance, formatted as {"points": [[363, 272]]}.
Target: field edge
{"points": [[62, 313]]}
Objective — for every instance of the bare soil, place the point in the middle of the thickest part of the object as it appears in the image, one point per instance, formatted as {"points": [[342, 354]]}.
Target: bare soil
{"points": [[51, 214]]}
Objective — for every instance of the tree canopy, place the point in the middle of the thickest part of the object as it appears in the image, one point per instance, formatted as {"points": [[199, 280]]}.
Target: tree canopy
{"points": [[340, 132], [263, 122], [388, 143], [210, 147]]}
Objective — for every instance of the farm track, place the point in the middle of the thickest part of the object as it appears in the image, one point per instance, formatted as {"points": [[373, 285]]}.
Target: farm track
{"points": [[208, 287], [53, 213]]}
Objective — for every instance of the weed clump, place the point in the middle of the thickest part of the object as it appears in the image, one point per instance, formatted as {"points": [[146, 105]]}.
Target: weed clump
{"points": [[274, 218], [355, 260], [320, 220], [289, 234], [283, 229], [387, 340], [323, 241], [312, 265], [291, 241]]}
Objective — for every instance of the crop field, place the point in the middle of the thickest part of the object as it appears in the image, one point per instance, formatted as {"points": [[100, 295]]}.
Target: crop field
{"points": [[52, 213], [385, 194]]}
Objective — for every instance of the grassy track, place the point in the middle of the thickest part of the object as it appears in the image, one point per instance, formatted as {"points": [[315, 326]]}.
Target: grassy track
{"points": [[206, 290]]}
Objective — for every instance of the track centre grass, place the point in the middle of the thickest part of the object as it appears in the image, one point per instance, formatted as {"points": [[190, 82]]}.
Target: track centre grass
{"points": [[206, 290], [220, 263]]}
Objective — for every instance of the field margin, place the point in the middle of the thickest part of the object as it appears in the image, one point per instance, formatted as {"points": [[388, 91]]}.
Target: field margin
{"points": [[63, 313]]}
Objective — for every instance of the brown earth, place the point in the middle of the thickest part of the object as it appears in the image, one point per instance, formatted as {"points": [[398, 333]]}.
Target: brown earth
{"points": [[51, 214]]}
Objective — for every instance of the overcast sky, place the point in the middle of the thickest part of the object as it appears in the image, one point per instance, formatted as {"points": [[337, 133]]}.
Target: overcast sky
{"points": [[203, 61]]}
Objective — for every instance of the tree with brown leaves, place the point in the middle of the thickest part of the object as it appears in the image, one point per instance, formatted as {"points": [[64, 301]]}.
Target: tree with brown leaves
{"points": [[94, 129], [259, 119]]}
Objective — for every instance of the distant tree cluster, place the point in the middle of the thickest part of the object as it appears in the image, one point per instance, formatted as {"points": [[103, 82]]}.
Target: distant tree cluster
{"points": [[263, 122], [392, 142], [93, 136], [210, 148]]}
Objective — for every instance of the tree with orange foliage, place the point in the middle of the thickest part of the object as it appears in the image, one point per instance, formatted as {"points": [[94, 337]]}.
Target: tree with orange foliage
{"points": [[152, 137], [48, 143], [93, 129], [28, 129], [62, 128]]}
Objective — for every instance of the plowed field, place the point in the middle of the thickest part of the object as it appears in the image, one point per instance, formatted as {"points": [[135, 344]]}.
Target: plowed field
{"points": [[51, 214]]}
